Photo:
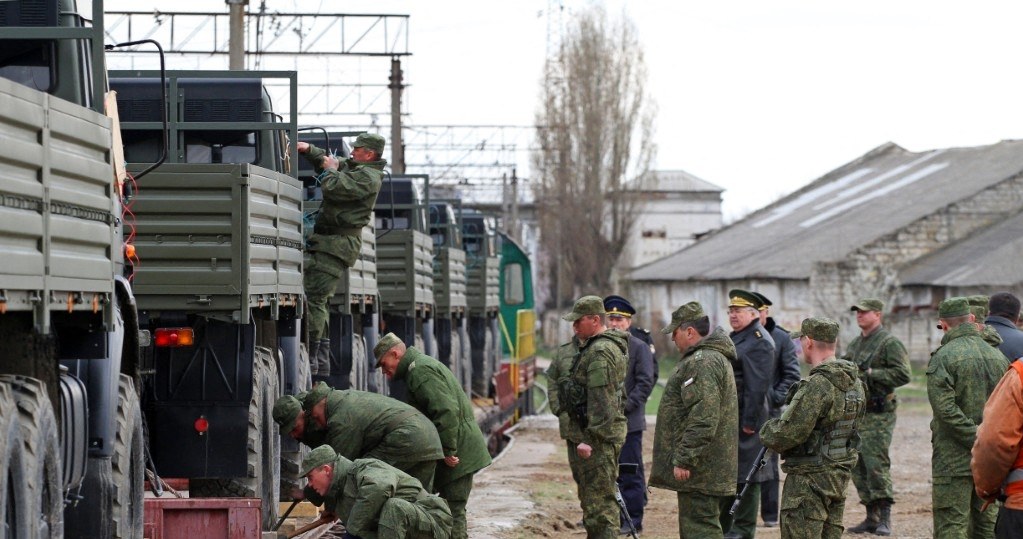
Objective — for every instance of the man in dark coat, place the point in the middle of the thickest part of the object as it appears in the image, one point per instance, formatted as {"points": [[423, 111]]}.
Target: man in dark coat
{"points": [[639, 382], [754, 373], [1003, 315], [786, 373], [434, 391]]}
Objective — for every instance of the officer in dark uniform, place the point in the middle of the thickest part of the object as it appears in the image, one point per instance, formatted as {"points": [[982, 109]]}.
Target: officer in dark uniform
{"points": [[786, 373], [639, 382], [754, 373]]}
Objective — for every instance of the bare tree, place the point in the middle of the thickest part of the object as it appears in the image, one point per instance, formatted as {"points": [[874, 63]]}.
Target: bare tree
{"points": [[595, 151]]}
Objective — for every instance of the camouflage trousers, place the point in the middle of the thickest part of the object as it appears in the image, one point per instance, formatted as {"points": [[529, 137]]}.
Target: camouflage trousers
{"points": [[957, 510], [595, 479], [426, 519], [701, 515], [812, 504], [456, 493], [872, 474], [320, 277]]}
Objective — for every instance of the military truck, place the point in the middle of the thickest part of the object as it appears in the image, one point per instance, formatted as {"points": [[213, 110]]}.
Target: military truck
{"points": [[450, 291], [71, 432]]}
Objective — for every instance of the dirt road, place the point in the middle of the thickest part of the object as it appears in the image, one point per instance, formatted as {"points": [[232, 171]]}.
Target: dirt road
{"points": [[529, 492]]}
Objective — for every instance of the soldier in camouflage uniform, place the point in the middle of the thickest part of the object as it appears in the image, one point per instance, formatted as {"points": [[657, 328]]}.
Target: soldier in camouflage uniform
{"points": [[589, 399], [349, 194], [979, 310], [695, 447], [961, 374], [293, 420], [434, 391], [360, 424], [884, 365], [375, 500], [816, 436]]}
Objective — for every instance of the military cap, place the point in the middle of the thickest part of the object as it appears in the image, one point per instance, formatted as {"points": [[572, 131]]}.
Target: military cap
{"points": [[954, 307], [819, 329], [690, 312], [618, 306], [764, 302], [795, 334], [868, 304], [743, 298], [386, 343], [316, 458], [371, 141], [319, 391], [978, 306], [585, 306], [286, 411]]}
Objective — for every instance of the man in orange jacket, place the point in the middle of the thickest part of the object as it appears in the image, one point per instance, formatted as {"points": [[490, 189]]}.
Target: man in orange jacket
{"points": [[997, 462]]}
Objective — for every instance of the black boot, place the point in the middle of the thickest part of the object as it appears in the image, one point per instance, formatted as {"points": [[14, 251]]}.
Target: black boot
{"points": [[870, 523], [884, 526]]}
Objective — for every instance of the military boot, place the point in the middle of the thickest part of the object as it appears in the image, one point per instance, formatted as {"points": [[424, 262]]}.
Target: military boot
{"points": [[884, 525], [870, 523]]}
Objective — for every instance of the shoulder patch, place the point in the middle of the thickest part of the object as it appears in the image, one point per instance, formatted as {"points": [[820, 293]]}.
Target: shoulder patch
{"points": [[645, 331], [757, 333], [412, 365]]}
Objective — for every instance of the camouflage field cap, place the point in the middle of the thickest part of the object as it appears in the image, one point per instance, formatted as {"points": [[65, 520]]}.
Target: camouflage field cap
{"points": [[764, 302], [371, 141], [319, 391], [743, 298], [386, 343], [868, 304], [795, 334], [316, 458], [819, 329], [286, 411], [690, 312], [978, 306], [954, 307], [586, 306]]}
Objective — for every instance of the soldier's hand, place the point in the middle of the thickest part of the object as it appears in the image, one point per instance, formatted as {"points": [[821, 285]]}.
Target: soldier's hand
{"points": [[451, 461], [329, 162], [297, 493], [682, 474], [583, 450], [302, 147], [328, 516]]}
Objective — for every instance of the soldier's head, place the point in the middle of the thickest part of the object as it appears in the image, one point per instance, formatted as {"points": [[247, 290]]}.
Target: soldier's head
{"points": [[1005, 305], [619, 312], [868, 313], [689, 324], [954, 312], [389, 352], [318, 466], [765, 307], [367, 147], [978, 308], [743, 308], [819, 337], [315, 403], [587, 316], [288, 413]]}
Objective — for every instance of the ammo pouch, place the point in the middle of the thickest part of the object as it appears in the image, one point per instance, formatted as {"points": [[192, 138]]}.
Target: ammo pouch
{"points": [[572, 395], [831, 442]]}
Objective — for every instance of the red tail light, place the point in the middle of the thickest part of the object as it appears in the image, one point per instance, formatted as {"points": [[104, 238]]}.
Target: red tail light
{"points": [[174, 337], [201, 425]]}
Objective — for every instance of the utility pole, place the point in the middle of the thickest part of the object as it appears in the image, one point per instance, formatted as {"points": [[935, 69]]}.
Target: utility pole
{"points": [[236, 46], [397, 146], [515, 207]]}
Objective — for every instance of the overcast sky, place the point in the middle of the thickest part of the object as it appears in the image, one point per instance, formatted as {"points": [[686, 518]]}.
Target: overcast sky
{"points": [[757, 97]]}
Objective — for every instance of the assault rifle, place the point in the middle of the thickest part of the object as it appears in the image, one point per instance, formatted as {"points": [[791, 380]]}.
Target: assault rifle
{"points": [[759, 463], [626, 469]]}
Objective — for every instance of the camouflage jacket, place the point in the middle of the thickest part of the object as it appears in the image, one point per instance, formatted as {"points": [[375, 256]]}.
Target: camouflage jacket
{"points": [[888, 361], [367, 425], [817, 403], [349, 194], [600, 364], [697, 421], [435, 392], [961, 374], [361, 488]]}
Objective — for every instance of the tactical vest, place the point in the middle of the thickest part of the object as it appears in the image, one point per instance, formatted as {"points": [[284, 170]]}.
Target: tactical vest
{"points": [[572, 392], [831, 442]]}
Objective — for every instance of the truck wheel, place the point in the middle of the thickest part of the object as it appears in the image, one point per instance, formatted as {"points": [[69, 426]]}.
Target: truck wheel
{"points": [[128, 463], [40, 446], [15, 512], [360, 363], [264, 447], [291, 461]]}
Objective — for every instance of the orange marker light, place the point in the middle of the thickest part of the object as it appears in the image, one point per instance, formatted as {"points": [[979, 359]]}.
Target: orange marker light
{"points": [[174, 337]]}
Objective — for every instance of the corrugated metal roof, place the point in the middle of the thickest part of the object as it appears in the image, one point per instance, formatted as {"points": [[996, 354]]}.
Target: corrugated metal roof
{"points": [[991, 257], [879, 193], [680, 181]]}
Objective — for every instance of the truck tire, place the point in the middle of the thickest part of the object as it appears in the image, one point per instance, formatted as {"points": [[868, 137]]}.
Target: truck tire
{"points": [[128, 463], [15, 513], [40, 445], [291, 461], [264, 447], [360, 363]]}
